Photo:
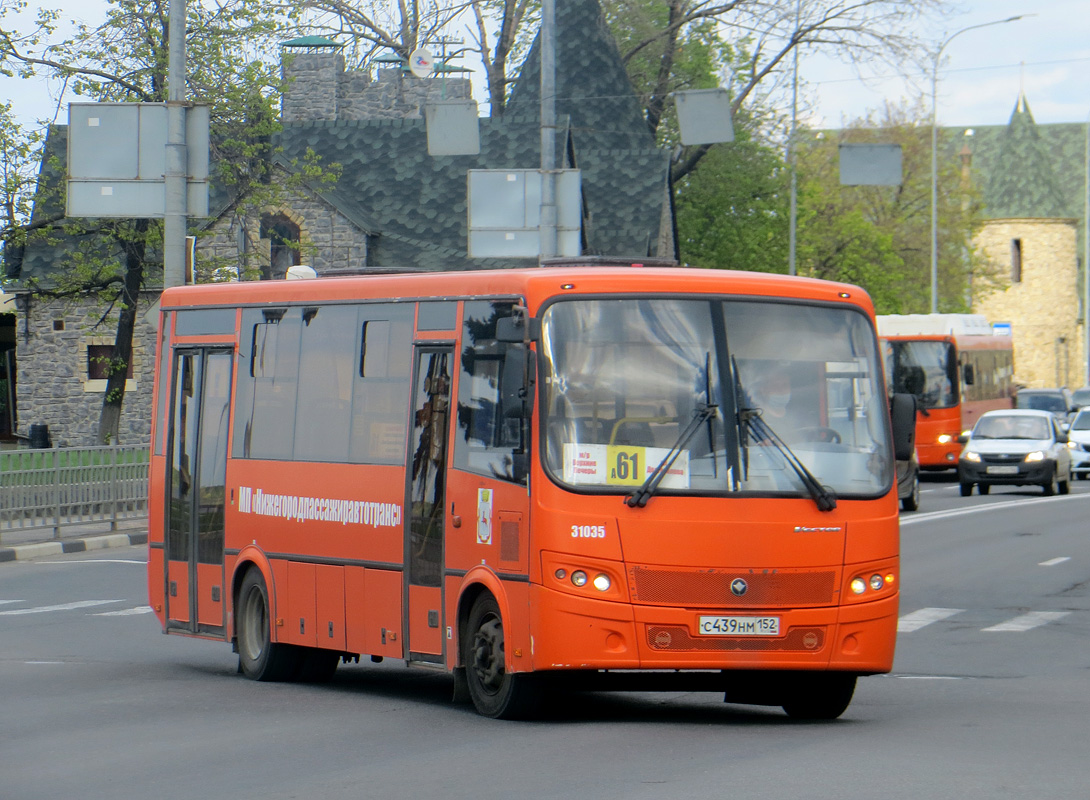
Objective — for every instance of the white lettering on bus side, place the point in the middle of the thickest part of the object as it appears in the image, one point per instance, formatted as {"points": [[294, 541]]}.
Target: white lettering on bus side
{"points": [[323, 509]]}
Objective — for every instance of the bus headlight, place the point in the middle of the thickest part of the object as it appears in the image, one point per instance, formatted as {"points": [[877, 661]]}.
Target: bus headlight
{"points": [[876, 582], [945, 438], [858, 586], [579, 578], [602, 582]]}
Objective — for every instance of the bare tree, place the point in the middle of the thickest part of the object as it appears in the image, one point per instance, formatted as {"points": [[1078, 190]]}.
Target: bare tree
{"points": [[376, 26]]}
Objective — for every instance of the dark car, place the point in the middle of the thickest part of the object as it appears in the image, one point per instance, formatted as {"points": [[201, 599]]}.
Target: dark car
{"points": [[1015, 447], [1081, 397], [1057, 401]]}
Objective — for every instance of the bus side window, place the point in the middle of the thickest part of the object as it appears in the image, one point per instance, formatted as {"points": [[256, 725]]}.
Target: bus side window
{"points": [[489, 441], [268, 374], [380, 390], [327, 353]]}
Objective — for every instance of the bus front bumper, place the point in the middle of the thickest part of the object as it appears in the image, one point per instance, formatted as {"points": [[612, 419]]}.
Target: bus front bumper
{"points": [[576, 633]]}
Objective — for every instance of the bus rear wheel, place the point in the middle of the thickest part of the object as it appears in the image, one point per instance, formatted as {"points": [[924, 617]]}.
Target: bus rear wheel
{"points": [[820, 697], [495, 692], [259, 658]]}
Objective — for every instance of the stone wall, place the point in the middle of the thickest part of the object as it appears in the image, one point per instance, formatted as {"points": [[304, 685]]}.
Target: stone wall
{"points": [[320, 89], [329, 241], [54, 336], [1043, 308]]}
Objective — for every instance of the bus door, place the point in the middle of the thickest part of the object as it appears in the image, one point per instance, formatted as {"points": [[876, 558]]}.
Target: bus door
{"points": [[426, 489], [198, 480]]}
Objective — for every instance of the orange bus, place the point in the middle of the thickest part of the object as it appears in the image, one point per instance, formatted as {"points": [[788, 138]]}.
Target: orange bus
{"points": [[956, 367], [588, 476]]}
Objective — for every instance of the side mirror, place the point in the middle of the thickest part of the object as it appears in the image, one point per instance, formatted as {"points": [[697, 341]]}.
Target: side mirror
{"points": [[517, 382], [902, 414], [963, 437], [517, 328], [967, 374]]}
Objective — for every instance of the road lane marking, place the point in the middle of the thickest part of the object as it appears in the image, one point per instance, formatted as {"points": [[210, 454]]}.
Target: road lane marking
{"points": [[1054, 561], [960, 512], [3, 602], [62, 607], [125, 612], [1028, 621], [925, 616]]}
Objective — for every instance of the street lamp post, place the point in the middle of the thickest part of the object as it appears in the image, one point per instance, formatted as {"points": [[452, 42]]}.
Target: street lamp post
{"points": [[935, 158]]}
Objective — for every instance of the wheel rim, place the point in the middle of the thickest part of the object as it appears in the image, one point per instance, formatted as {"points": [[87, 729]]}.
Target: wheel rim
{"points": [[254, 625], [488, 655]]}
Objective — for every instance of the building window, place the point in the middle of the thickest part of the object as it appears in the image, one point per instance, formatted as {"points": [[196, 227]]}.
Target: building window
{"points": [[98, 357], [95, 355], [1016, 260], [284, 237]]}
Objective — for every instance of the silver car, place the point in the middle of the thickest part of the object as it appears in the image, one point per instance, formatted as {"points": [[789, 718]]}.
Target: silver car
{"points": [[1079, 444], [1015, 447]]}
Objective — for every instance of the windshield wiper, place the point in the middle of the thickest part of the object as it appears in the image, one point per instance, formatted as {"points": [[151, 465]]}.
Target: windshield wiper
{"points": [[650, 486], [761, 431]]}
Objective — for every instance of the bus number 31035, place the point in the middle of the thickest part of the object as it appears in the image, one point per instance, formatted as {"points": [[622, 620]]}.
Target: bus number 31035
{"points": [[588, 531]]}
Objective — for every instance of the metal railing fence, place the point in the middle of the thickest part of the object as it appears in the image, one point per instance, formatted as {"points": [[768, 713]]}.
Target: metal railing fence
{"points": [[60, 487]]}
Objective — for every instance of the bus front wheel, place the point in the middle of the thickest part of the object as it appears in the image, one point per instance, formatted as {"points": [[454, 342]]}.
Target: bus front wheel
{"points": [[495, 692], [259, 658], [820, 697]]}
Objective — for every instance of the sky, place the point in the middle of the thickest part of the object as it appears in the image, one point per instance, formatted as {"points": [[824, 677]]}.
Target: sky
{"points": [[981, 73]]}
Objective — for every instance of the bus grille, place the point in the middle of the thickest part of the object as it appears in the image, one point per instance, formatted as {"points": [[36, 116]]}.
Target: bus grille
{"points": [[676, 637], [712, 587]]}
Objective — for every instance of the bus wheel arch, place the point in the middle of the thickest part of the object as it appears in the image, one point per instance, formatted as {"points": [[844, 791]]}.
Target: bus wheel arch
{"points": [[259, 657], [495, 691]]}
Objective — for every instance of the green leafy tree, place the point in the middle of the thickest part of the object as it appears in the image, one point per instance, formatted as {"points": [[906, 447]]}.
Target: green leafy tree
{"points": [[879, 236], [232, 62], [732, 212], [20, 155]]}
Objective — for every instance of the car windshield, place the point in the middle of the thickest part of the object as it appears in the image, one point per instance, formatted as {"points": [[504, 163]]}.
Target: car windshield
{"points": [[1081, 422], [631, 383], [1041, 401], [923, 369], [1011, 426]]}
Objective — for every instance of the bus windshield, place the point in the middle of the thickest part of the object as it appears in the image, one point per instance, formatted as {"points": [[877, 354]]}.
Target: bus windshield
{"points": [[924, 369], [711, 384]]}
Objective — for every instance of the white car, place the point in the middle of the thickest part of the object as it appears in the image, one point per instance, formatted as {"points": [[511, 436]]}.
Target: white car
{"points": [[1015, 447], [1079, 444]]}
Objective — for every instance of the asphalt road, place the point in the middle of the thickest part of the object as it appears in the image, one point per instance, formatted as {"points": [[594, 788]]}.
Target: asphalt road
{"points": [[989, 697]]}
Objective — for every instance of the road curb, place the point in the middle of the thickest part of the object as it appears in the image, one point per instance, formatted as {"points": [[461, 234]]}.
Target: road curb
{"points": [[22, 552]]}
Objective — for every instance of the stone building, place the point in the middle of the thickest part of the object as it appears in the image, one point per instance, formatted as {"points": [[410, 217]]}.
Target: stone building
{"points": [[394, 205], [1032, 178]]}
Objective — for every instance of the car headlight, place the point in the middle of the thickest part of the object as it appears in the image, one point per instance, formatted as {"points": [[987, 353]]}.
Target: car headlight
{"points": [[1036, 455], [969, 455]]}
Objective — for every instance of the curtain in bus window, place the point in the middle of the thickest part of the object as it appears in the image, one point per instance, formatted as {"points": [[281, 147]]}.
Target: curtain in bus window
{"points": [[487, 441], [274, 367], [327, 359], [380, 392]]}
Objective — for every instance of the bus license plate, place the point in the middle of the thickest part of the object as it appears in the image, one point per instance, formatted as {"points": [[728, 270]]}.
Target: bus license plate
{"points": [[739, 626], [1013, 470]]}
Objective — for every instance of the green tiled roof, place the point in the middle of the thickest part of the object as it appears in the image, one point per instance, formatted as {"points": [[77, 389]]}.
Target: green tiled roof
{"points": [[414, 205], [1024, 169], [1022, 180], [592, 88]]}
